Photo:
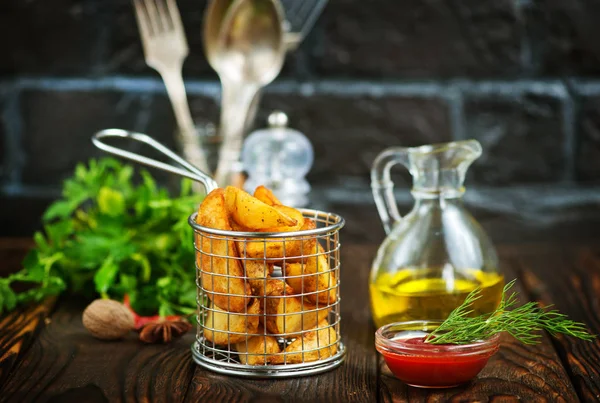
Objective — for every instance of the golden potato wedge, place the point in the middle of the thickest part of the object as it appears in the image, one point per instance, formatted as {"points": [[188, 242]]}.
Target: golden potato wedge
{"points": [[315, 287], [258, 273], [258, 269], [237, 227], [300, 247], [275, 249], [250, 212], [221, 327], [222, 272], [287, 314], [266, 196], [258, 350], [316, 345], [272, 286], [262, 288], [290, 211]]}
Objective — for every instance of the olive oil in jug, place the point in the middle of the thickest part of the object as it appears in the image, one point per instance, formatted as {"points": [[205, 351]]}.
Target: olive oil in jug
{"points": [[417, 294]]}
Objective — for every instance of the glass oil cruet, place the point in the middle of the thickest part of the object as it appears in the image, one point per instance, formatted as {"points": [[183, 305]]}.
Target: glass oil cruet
{"points": [[435, 255]]}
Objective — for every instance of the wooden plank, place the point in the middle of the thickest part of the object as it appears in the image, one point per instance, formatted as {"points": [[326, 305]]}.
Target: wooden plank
{"points": [[18, 330], [354, 381], [570, 280], [65, 363], [516, 373]]}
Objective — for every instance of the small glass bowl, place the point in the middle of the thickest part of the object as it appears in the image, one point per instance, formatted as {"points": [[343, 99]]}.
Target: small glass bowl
{"points": [[426, 365]]}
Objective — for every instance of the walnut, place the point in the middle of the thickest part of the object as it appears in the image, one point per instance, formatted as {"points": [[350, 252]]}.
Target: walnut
{"points": [[107, 319], [163, 331]]}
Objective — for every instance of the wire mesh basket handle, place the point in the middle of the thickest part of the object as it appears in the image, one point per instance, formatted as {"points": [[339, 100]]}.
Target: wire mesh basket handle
{"points": [[190, 171]]}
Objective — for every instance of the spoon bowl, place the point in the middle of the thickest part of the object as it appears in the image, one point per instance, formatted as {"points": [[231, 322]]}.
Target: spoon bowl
{"points": [[213, 20], [251, 46]]}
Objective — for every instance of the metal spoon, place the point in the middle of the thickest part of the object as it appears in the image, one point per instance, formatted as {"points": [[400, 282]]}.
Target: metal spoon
{"points": [[300, 16], [213, 21], [247, 53]]}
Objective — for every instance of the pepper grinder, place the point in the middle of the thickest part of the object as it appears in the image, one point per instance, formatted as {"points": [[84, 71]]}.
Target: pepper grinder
{"points": [[279, 158]]}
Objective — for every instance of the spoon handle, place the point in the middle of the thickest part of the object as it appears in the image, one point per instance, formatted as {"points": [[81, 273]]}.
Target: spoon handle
{"points": [[252, 111], [236, 101]]}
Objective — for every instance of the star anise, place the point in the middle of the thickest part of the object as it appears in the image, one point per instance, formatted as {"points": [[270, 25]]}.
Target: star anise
{"points": [[163, 331]]}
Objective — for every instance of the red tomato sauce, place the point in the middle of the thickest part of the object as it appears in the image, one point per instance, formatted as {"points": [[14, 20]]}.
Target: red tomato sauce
{"points": [[428, 369]]}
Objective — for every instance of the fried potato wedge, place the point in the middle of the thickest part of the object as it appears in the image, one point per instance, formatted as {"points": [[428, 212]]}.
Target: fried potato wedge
{"points": [[291, 212], [258, 269], [287, 314], [237, 227], [222, 327], [258, 350], [312, 346], [304, 246], [272, 286], [266, 196], [250, 212], [222, 271], [258, 273], [263, 288], [277, 248], [316, 287]]}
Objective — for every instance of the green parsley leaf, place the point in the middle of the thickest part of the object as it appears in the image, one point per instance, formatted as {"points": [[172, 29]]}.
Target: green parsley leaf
{"points": [[112, 233]]}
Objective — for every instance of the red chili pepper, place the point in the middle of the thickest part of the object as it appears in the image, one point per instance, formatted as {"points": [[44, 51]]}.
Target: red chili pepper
{"points": [[140, 321]]}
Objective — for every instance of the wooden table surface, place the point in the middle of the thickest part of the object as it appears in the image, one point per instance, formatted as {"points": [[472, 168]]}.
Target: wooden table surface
{"points": [[47, 355]]}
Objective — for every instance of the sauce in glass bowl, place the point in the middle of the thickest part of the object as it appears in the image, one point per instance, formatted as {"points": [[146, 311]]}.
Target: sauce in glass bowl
{"points": [[426, 365]]}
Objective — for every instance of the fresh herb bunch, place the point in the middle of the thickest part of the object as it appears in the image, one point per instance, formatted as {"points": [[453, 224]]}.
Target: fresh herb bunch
{"points": [[111, 237], [523, 323]]}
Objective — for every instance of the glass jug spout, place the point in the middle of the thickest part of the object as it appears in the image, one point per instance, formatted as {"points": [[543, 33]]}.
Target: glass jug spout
{"points": [[438, 171]]}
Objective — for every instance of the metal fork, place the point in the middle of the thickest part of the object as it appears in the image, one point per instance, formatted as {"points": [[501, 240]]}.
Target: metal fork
{"points": [[165, 49], [300, 17]]}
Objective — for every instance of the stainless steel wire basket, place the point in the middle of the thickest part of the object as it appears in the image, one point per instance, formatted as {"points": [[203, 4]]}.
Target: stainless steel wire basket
{"points": [[268, 303]]}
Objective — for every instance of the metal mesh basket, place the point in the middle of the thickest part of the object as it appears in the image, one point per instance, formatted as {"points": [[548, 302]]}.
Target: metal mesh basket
{"points": [[268, 303]]}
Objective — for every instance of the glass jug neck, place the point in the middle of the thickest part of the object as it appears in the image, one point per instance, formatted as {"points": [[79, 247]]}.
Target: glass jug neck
{"points": [[438, 184], [427, 202]]}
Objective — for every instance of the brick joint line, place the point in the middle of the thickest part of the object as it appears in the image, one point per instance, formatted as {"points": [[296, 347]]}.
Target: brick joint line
{"points": [[211, 88]]}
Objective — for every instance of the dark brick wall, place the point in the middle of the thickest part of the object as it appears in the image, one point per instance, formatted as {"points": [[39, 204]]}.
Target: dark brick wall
{"points": [[521, 76], [524, 132], [420, 38]]}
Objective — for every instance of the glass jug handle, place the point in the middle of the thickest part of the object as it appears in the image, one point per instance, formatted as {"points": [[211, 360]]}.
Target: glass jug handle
{"points": [[383, 187]]}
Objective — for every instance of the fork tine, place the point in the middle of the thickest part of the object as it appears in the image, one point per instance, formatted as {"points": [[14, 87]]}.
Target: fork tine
{"points": [[163, 15], [153, 16], [174, 14], [142, 20]]}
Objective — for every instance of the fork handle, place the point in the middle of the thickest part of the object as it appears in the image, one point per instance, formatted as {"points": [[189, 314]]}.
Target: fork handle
{"points": [[192, 150]]}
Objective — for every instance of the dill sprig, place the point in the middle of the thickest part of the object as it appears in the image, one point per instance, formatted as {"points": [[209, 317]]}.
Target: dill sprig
{"points": [[523, 322]]}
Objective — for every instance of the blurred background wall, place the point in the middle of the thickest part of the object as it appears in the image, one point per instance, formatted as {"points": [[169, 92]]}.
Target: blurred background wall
{"points": [[521, 76]]}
